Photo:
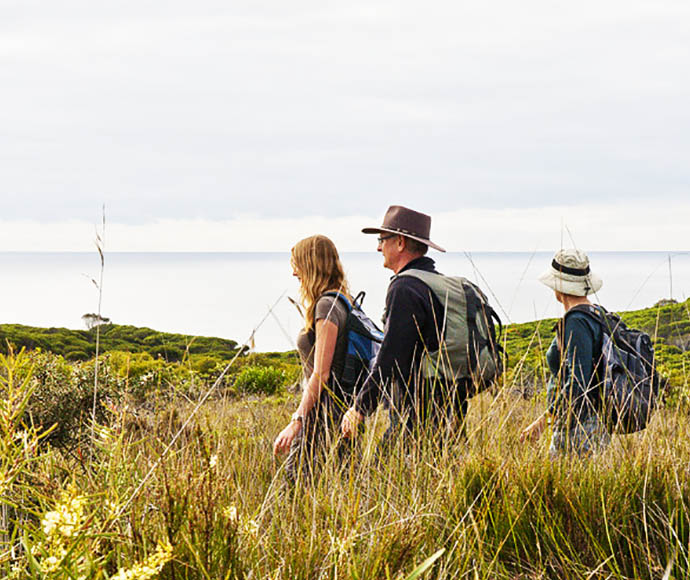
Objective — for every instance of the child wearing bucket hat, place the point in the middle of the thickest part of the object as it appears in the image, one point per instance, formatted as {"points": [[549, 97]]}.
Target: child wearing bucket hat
{"points": [[573, 393]]}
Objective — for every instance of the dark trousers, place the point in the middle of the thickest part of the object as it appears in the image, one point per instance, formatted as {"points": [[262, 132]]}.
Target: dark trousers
{"points": [[434, 409], [319, 434]]}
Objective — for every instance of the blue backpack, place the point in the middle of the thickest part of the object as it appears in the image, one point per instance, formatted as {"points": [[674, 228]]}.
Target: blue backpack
{"points": [[363, 344]]}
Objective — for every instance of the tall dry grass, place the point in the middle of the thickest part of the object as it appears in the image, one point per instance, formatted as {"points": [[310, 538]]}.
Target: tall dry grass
{"points": [[218, 504]]}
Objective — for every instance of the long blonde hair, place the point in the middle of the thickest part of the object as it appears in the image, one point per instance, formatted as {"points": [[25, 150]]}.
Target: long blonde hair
{"points": [[316, 261]]}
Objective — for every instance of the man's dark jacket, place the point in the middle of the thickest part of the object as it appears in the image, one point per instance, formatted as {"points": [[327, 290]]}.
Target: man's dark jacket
{"points": [[411, 320]]}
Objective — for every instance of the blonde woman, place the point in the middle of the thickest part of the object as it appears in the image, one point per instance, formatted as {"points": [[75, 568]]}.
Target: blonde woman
{"points": [[321, 345]]}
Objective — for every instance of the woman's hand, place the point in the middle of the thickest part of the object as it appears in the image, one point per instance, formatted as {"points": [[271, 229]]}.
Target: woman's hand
{"points": [[351, 421], [534, 431], [286, 436]]}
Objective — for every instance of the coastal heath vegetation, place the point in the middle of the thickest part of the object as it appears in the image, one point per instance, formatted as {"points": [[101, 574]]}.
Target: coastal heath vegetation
{"points": [[215, 503]]}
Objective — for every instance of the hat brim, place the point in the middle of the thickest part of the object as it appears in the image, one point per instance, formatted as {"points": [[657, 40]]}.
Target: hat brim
{"points": [[397, 233], [573, 285]]}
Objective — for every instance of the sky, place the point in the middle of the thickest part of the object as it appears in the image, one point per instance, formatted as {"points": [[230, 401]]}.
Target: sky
{"points": [[235, 126]]}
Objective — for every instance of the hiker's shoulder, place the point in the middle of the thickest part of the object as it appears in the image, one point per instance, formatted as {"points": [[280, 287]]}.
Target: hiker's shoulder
{"points": [[408, 283], [584, 320], [330, 307]]}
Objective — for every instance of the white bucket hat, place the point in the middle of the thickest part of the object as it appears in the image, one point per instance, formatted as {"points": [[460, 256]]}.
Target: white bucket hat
{"points": [[570, 274]]}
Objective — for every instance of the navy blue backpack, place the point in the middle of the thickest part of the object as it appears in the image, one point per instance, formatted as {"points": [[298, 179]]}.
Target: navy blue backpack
{"points": [[363, 344], [627, 371]]}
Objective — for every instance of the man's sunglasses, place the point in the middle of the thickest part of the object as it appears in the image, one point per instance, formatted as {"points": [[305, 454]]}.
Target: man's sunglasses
{"points": [[382, 239]]}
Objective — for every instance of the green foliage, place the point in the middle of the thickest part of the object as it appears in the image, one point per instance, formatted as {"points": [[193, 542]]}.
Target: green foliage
{"points": [[485, 506], [18, 440], [264, 380], [137, 373], [525, 346], [63, 395], [81, 344], [669, 327], [217, 505], [63, 390]]}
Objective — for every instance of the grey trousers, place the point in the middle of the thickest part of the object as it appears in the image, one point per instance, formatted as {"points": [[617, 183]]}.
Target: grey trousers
{"points": [[582, 438]]}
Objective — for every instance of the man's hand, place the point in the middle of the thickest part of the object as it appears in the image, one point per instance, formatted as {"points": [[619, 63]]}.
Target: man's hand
{"points": [[351, 421]]}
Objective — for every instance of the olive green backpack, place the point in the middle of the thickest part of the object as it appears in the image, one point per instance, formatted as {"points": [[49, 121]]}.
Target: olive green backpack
{"points": [[469, 346]]}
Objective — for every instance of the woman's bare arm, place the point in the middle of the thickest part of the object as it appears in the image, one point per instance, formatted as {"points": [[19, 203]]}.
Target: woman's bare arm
{"points": [[324, 349]]}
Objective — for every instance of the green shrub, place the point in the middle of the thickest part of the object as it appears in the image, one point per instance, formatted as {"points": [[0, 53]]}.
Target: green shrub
{"points": [[260, 379], [208, 367], [76, 355], [64, 389], [63, 395]]}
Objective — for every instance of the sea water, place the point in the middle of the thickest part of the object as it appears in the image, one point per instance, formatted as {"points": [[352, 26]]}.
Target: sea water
{"points": [[235, 295]]}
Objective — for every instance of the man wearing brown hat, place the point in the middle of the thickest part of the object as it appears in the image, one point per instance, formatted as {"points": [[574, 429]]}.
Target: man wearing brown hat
{"points": [[412, 318]]}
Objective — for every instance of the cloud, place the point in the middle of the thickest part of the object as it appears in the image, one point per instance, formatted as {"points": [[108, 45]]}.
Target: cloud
{"points": [[619, 227], [216, 110]]}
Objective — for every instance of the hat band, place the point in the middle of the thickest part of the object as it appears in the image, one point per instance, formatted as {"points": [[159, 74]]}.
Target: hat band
{"points": [[406, 232], [572, 271]]}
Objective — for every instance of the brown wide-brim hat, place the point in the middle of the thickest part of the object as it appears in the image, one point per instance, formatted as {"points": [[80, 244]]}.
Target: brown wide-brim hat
{"points": [[406, 222]]}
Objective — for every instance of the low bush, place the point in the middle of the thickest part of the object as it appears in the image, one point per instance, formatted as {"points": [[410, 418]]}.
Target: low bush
{"points": [[63, 389], [260, 380], [63, 395]]}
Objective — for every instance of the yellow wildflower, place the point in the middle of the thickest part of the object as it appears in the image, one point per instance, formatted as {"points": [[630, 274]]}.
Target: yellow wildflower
{"points": [[231, 513], [59, 527], [149, 567], [339, 545], [251, 528], [104, 433], [66, 518], [50, 564]]}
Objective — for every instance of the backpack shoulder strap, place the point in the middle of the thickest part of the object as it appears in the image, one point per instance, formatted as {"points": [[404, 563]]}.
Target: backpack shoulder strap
{"points": [[341, 345], [610, 323], [341, 296], [423, 275], [597, 313], [441, 285], [438, 283], [588, 309], [476, 289], [342, 332]]}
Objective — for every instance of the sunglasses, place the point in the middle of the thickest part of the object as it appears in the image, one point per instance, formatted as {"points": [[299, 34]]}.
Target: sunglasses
{"points": [[382, 239]]}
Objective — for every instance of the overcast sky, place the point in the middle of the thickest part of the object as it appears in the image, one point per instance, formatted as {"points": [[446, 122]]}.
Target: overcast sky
{"points": [[199, 123]]}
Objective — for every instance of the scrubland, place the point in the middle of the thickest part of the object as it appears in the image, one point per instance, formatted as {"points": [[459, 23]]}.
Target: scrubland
{"points": [[146, 490]]}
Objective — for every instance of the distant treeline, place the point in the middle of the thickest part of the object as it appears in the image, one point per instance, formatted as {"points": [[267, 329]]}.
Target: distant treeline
{"points": [[79, 345], [668, 323]]}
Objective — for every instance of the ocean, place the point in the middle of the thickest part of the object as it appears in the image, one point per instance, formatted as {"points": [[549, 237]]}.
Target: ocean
{"points": [[230, 294]]}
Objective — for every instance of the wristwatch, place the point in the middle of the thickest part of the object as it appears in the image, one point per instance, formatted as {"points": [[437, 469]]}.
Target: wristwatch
{"points": [[297, 417]]}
